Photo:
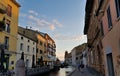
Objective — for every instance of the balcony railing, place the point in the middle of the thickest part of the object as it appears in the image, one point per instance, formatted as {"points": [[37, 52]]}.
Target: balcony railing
{"points": [[6, 46], [3, 8], [49, 55], [2, 25]]}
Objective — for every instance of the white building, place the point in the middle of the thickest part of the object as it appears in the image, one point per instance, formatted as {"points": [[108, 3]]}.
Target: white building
{"points": [[77, 55], [73, 53], [84, 59], [26, 43]]}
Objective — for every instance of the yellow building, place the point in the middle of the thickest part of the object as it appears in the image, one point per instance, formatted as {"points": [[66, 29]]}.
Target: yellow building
{"points": [[9, 13], [46, 49], [41, 47], [51, 50]]}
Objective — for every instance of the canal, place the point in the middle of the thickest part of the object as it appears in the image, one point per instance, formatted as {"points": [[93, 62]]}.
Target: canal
{"points": [[61, 72]]}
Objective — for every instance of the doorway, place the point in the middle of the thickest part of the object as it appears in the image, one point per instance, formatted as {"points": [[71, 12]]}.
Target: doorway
{"points": [[110, 65]]}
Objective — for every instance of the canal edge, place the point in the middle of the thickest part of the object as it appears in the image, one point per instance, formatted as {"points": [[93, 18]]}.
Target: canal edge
{"points": [[72, 72]]}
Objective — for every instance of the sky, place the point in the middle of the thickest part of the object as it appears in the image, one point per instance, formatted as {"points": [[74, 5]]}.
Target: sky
{"points": [[63, 20]]}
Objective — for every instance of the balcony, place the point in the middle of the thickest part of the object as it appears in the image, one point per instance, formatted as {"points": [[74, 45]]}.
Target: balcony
{"points": [[54, 46], [2, 9], [49, 56], [2, 25], [6, 46], [49, 49]]}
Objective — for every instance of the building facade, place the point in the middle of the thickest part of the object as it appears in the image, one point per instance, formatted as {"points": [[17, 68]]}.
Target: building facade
{"points": [[93, 30], [68, 58], [26, 43], [8, 30], [41, 48], [111, 38], [77, 54], [106, 13], [50, 50]]}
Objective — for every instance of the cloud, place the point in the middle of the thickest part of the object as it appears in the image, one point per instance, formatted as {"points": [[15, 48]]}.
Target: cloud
{"points": [[23, 15], [33, 12], [39, 22], [44, 23], [52, 27], [60, 55], [69, 37], [57, 23]]}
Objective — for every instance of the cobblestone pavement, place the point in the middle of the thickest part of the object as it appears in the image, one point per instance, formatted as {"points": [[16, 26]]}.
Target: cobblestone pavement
{"points": [[83, 72]]}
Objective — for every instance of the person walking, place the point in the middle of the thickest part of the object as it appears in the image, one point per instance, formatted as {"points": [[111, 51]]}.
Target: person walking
{"points": [[82, 67], [79, 66]]}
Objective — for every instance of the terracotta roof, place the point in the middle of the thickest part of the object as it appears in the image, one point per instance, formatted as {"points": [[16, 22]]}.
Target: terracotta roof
{"points": [[50, 38], [31, 34], [15, 2]]}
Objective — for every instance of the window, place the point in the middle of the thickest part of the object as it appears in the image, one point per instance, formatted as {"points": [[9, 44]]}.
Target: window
{"points": [[117, 2], [92, 60], [24, 32], [41, 43], [21, 38], [12, 62], [28, 40], [21, 46], [6, 42], [40, 51], [27, 62], [28, 48], [33, 49], [99, 1], [99, 55], [37, 50], [76, 58], [102, 31], [7, 27], [9, 10], [109, 18]]}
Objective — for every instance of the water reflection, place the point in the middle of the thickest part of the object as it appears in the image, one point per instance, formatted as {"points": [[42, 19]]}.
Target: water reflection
{"points": [[61, 72]]}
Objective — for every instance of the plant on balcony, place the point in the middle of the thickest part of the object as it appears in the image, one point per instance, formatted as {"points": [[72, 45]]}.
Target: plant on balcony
{"points": [[2, 11], [2, 24]]}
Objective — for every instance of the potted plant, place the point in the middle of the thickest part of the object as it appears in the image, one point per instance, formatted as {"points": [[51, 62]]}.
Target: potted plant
{"points": [[2, 24]]}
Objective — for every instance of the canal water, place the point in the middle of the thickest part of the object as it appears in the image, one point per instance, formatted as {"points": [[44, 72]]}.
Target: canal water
{"points": [[61, 72]]}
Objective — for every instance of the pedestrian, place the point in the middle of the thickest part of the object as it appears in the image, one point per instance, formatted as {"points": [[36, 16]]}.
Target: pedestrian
{"points": [[79, 67], [8, 73], [82, 67]]}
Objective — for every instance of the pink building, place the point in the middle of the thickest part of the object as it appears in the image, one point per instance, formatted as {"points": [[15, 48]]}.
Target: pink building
{"points": [[111, 39], [102, 27]]}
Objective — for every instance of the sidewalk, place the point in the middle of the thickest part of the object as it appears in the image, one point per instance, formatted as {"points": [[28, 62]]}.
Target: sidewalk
{"points": [[84, 72]]}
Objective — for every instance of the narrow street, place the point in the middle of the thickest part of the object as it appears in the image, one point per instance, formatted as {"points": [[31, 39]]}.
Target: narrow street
{"points": [[84, 72]]}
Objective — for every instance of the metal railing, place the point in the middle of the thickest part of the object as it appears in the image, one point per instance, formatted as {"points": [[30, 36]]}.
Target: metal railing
{"points": [[35, 71]]}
